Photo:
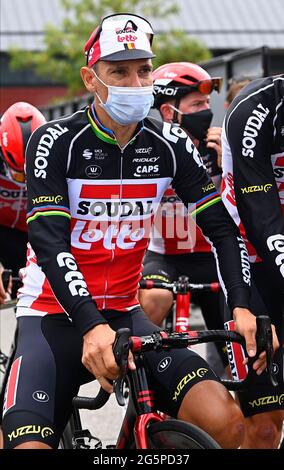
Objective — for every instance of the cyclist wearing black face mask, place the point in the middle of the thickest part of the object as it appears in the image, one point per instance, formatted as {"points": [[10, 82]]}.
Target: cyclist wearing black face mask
{"points": [[182, 92]]}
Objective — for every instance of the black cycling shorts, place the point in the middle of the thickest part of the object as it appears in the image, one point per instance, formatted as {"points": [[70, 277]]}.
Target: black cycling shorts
{"points": [[261, 396], [199, 268], [47, 373]]}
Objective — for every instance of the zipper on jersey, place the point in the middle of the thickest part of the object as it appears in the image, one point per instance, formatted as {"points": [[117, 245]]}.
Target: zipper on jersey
{"points": [[120, 201]]}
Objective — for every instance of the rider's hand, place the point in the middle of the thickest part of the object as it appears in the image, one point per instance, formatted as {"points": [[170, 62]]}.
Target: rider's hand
{"points": [[98, 357], [245, 324], [213, 140]]}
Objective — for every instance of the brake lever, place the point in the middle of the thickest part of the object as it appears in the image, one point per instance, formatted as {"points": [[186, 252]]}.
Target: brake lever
{"points": [[265, 343], [121, 351]]}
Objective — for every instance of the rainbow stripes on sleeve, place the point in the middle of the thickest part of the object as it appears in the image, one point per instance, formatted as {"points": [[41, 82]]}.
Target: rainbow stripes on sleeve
{"points": [[204, 203], [48, 211]]}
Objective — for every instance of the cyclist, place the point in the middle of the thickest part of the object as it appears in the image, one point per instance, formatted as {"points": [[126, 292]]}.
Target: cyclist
{"points": [[89, 203], [17, 124], [182, 93], [253, 171]]}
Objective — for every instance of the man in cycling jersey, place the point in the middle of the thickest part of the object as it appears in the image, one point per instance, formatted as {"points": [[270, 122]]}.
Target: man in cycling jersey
{"points": [[253, 171], [90, 205], [177, 246], [16, 126]]}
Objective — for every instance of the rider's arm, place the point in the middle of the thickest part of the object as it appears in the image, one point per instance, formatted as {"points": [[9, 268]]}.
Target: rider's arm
{"points": [[194, 187], [49, 224], [252, 129]]}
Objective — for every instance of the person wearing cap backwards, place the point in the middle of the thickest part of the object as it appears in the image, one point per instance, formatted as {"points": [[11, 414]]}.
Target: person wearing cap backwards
{"points": [[91, 199], [16, 126], [177, 247]]}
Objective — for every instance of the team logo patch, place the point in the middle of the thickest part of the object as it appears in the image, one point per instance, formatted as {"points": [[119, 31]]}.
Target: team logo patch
{"points": [[40, 396], [93, 171], [164, 364]]}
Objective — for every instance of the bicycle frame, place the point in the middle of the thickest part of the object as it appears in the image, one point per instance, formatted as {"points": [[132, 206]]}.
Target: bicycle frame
{"points": [[182, 290], [140, 414]]}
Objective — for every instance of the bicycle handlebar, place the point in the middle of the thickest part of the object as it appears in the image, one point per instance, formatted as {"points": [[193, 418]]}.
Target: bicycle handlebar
{"points": [[182, 286], [162, 340], [88, 403]]}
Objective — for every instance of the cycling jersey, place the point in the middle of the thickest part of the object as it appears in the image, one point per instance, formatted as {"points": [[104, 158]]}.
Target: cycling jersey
{"points": [[253, 170], [13, 203], [90, 207], [174, 232]]}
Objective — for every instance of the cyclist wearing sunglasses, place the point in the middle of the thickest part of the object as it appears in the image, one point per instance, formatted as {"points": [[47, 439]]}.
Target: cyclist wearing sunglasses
{"points": [[16, 126], [182, 94], [252, 190], [91, 199]]}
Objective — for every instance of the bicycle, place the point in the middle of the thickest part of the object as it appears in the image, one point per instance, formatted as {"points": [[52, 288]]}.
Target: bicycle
{"points": [[144, 427], [182, 289]]}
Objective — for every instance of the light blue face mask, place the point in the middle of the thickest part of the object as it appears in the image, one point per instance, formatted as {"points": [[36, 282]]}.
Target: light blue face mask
{"points": [[127, 105]]}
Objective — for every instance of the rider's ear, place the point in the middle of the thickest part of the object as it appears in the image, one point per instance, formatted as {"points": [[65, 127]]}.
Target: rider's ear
{"points": [[166, 112], [88, 78]]}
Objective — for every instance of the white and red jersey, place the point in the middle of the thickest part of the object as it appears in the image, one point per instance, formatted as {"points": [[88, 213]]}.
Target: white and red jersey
{"points": [[174, 232], [253, 171], [13, 204], [90, 209]]}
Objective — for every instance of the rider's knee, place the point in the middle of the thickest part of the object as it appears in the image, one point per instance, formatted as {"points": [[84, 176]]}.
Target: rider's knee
{"points": [[233, 427], [265, 433], [156, 303]]}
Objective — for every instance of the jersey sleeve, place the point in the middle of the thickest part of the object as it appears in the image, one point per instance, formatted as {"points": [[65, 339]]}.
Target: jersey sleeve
{"points": [[250, 131], [48, 221], [197, 191]]}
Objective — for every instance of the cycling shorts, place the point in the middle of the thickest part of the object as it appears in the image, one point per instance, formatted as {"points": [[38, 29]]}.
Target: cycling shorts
{"points": [[47, 373], [261, 396], [199, 268]]}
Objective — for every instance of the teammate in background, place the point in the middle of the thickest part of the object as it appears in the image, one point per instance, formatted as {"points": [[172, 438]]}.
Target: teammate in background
{"points": [[235, 86], [177, 246], [88, 210], [253, 192], [16, 126]]}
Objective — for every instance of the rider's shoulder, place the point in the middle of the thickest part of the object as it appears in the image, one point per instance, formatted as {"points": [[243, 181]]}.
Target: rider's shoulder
{"points": [[67, 126]]}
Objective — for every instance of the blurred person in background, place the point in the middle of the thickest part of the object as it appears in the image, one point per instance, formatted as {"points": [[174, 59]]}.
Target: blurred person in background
{"points": [[182, 96], [16, 126], [234, 88]]}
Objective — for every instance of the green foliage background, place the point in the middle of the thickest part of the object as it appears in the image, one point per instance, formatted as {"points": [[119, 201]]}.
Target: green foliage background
{"points": [[63, 55]]}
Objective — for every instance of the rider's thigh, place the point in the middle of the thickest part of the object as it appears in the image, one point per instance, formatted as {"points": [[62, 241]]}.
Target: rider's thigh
{"points": [[33, 445]]}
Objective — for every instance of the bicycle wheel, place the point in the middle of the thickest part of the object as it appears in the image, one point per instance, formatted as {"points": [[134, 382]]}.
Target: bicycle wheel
{"points": [[175, 434]]}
